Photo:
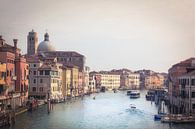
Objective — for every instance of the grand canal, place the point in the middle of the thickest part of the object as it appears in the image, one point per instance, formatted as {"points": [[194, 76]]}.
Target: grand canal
{"points": [[108, 111]]}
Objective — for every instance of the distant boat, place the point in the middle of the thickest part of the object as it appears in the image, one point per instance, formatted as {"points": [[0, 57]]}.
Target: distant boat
{"points": [[150, 95], [159, 116], [161, 112], [103, 89], [132, 106], [134, 94], [128, 92], [94, 97], [115, 90]]}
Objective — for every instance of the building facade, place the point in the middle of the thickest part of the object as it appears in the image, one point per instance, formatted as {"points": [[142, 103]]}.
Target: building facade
{"points": [[66, 81], [86, 79], [45, 79], [16, 73], [110, 81], [134, 81], [187, 94], [176, 73], [68, 58], [3, 85], [154, 81]]}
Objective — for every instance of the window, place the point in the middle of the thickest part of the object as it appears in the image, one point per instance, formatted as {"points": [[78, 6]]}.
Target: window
{"points": [[193, 82], [41, 89], [47, 72], [1, 89], [193, 106], [41, 80], [34, 65], [22, 88], [34, 72], [7, 73], [34, 81], [34, 89], [193, 94], [41, 72]]}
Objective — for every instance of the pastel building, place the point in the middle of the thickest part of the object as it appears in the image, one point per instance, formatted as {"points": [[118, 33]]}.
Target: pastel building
{"points": [[3, 85], [45, 79], [74, 89], [110, 81], [134, 81], [70, 81], [92, 83], [86, 79], [16, 74], [66, 81], [154, 81]]}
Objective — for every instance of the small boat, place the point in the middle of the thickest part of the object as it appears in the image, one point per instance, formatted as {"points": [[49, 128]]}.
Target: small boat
{"points": [[115, 90], [132, 106], [128, 92], [158, 117], [94, 97], [134, 94], [103, 89], [150, 95]]}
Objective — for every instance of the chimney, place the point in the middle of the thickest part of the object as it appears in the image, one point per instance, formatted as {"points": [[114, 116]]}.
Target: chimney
{"points": [[15, 42]]}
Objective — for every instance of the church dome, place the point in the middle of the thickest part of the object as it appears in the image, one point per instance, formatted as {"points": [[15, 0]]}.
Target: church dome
{"points": [[45, 45]]}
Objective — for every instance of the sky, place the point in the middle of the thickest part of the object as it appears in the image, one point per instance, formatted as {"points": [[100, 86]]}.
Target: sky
{"points": [[111, 34]]}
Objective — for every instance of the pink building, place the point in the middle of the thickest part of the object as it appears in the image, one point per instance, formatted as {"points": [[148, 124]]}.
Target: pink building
{"points": [[16, 71]]}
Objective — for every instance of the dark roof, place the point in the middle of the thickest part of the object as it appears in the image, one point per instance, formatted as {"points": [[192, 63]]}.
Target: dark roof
{"points": [[64, 53]]}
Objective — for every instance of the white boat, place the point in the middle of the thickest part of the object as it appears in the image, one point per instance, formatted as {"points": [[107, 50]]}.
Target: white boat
{"points": [[134, 94], [128, 92], [132, 106]]}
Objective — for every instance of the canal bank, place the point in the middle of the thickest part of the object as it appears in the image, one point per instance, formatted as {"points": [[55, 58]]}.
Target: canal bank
{"points": [[107, 111]]}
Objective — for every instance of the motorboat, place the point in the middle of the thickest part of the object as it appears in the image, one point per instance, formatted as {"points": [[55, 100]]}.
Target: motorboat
{"points": [[150, 95], [159, 116], [135, 94], [132, 106], [128, 92]]}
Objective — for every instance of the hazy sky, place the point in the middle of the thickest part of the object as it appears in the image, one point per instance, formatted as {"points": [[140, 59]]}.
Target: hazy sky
{"points": [[134, 34]]}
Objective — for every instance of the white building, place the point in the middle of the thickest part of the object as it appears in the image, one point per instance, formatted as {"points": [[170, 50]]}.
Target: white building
{"points": [[92, 83], [134, 80]]}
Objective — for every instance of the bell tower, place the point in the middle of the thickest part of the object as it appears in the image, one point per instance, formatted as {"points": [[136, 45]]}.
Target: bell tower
{"points": [[32, 43]]}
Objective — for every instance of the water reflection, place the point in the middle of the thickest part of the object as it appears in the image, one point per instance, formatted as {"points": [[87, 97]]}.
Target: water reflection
{"points": [[108, 111]]}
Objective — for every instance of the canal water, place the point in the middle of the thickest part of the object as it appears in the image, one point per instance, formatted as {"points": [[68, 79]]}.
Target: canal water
{"points": [[107, 111]]}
